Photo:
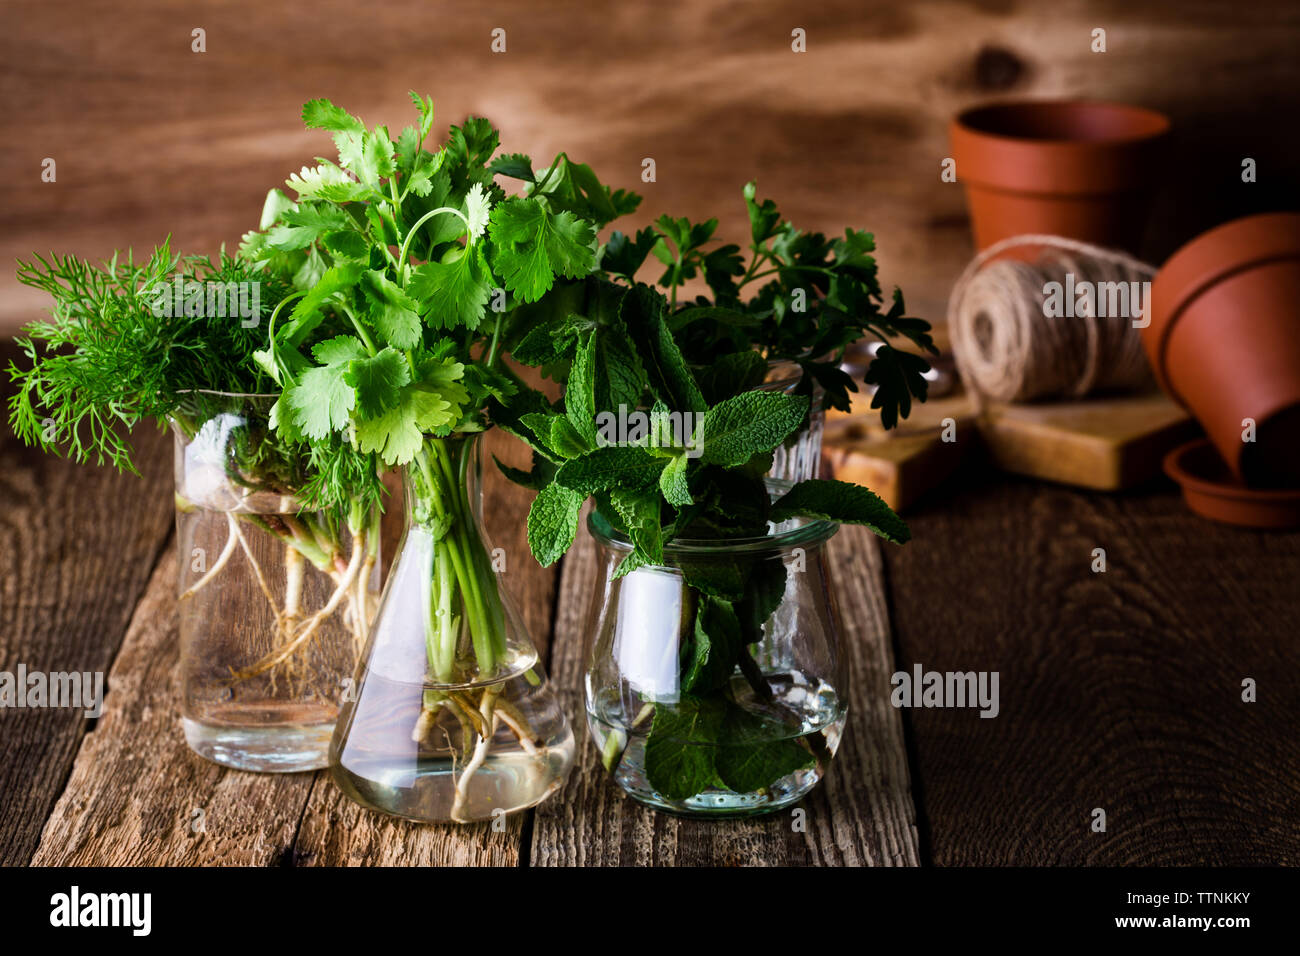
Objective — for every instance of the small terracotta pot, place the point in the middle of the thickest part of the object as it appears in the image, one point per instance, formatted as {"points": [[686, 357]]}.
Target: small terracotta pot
{"points": [[1212, 492], [1072, 168], [1224, 341]]}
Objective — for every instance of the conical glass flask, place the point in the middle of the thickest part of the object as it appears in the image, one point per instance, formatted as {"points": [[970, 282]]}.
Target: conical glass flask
{"points": [[451, 717]]}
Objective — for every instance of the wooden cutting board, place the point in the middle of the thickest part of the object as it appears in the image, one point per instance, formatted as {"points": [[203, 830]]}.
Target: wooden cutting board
{"points": [[1105, 444]]}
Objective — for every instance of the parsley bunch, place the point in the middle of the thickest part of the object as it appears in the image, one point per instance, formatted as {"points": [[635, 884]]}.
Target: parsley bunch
{"points": [[821, 295]]}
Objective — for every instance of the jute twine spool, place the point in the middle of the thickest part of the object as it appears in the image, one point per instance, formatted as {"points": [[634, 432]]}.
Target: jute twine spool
{"points": [[1008, 350]]}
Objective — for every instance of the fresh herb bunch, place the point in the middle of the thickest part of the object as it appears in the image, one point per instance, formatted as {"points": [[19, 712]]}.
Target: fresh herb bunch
{"points": [[109, 359], [821, 295], [398, 252], [616, 349]]}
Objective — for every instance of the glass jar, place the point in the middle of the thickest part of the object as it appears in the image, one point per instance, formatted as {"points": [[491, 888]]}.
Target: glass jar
{"points": [[715, 684], [274, 600], [453, 719], [800, 455]]}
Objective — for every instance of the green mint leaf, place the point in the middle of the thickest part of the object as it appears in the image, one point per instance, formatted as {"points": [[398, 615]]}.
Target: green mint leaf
{"points": [[378, 381], [842, 502], [673, 484], [749, 424], [611, 467], [642, 314], [557, 433], [553, 522], [680, 748], [732, 374], [453, 293], [715, 646], [757, 752], [392, 311], [580, 390], [638, 510]]}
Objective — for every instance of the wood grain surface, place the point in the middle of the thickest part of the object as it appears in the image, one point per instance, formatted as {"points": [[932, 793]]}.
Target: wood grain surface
{"points": [[1119, 690], [151, 138]]}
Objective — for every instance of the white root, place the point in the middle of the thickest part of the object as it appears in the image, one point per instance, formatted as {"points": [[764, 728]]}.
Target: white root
{"points": [[257, 568], [232, 538], [312, 624], [487, 710]]}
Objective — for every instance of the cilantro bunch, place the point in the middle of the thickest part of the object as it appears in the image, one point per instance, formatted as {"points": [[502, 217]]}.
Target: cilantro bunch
{"points": [[820, 296], [407, 261]]}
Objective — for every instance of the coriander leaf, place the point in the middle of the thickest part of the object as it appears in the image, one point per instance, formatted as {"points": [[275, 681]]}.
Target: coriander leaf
{"points": [[553, 522], [455, 292], [478, 211], [749, 424], [398, 434], [378, 381], [425, 106], [534, 245], [306, 313], [320, 400], [322, 114], [392, 311], [624, 257], [514, 165], [842, 502], [315, 182]]}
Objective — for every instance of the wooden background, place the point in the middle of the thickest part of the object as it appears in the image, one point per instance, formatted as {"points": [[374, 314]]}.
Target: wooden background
{"points": [[150, 137]]}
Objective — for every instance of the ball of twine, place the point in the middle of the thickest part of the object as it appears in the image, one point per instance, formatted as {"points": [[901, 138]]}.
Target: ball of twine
{"points": [[1008, 350]]}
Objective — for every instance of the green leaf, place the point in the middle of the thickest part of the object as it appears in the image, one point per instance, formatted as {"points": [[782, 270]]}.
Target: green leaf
{"points": [[579, 392], [638, 510], [398, 434], [378, 381], [732, 374], [307, 313], [392, 311], [714, 648], [842, 502], [755, 753], [673, 484], [749, 424], [322, 114], [320, 400], [763, 217], [453, 293], [301, 227], [553, 522], [611, 467], [679, 749], [533, 246], [514, 165], [642, 313]]}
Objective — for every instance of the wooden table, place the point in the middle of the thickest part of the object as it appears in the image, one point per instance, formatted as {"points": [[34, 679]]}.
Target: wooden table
{"points": [[1119, 690]]}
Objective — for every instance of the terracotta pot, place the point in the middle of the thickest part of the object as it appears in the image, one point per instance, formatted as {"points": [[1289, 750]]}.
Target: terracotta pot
{"points": [[1071, 168], [1224, 341], [1212, 492]]}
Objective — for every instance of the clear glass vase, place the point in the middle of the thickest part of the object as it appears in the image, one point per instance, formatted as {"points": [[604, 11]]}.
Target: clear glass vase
{"points": [[715, 684], [800, 455], [274, 600], [453, 720]]}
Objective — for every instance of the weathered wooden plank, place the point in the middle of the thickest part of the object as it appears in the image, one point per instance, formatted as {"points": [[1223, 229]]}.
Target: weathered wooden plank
{"points": [[861, 815], [76, 548], [851, 132], [138, 796], [1119, 690]]}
